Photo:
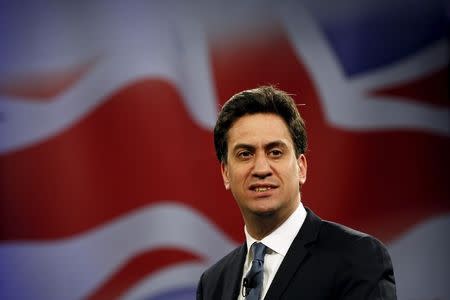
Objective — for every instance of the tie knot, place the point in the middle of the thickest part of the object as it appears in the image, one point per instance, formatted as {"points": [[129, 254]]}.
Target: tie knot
{"points": [[259, 250]]}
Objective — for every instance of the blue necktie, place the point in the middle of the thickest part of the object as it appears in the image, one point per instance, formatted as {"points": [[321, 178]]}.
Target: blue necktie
{"points": [[253, 281]]}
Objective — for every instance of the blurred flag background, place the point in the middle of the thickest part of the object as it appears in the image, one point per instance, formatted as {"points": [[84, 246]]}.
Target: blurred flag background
{"points": [[109, 185]]}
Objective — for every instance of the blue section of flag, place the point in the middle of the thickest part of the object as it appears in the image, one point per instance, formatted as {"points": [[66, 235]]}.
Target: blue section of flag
{"points": [[182, 293], [366, 39]]}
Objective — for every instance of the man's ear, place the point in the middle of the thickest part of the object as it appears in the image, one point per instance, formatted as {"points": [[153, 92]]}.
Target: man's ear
{"points": [[302, 168], [225, 175]]}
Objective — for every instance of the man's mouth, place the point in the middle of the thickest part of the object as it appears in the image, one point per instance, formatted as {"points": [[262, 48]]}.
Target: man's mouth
{"points": [[262, 189]]}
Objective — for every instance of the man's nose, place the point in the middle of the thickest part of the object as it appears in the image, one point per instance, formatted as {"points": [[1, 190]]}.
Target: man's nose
{"points": [[262, 167]]}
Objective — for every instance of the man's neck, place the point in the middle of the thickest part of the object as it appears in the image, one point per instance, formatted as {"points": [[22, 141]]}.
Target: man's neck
{"points": [[260, 226]]}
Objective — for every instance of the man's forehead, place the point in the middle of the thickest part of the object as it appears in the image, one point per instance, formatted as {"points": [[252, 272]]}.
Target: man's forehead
{"points": [[259, 121], [259, 125]]}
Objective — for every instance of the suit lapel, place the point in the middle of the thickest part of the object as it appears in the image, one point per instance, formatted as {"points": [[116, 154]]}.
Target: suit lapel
{"points": [[296, 254], [233, 274]]}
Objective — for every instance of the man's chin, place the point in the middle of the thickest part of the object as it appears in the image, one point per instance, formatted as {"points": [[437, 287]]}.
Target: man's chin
{"points": [[264, 213]]}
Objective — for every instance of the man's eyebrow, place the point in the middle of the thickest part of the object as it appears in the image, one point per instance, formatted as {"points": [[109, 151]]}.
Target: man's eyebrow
{"points": [[244, 146], [278, 143]]}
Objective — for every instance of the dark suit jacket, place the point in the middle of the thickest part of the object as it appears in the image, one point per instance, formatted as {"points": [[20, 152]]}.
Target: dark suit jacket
{"points": [[325, 261]]}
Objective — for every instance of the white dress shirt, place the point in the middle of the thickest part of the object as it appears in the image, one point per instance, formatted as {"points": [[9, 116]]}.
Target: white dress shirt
{"points": [[278, 243]]}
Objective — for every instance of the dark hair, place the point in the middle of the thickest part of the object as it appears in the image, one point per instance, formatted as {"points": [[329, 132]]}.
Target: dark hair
{"points": [[264, 99]]}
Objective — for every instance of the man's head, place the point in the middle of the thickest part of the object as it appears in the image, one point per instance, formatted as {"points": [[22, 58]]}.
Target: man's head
{"points": [[260, 140], [265, 99]]}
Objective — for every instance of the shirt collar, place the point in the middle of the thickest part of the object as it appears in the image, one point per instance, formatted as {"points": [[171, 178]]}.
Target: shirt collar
{"points": [[281, 238]]}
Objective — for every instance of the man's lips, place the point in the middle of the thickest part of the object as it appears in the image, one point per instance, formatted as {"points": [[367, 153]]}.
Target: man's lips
{"points": [[262, 187]]}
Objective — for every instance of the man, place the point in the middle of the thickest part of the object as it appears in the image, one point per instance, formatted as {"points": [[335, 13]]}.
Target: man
{"points": [[290, 253]]}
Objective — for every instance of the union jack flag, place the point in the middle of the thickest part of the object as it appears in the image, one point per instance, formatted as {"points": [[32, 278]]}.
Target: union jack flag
{"points": [[109, 187]]}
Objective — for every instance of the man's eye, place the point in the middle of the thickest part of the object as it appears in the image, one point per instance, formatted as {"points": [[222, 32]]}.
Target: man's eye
{"points": [[275, 153], [244, 154]]}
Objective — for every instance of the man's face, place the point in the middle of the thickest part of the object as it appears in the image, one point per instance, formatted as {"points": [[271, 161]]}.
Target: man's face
{"points": [[262, 170]]}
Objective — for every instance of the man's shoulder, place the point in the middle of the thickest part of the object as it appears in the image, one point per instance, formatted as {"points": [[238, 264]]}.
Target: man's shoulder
{"points": [[333, 230], [349, 241], [332, 233]]}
